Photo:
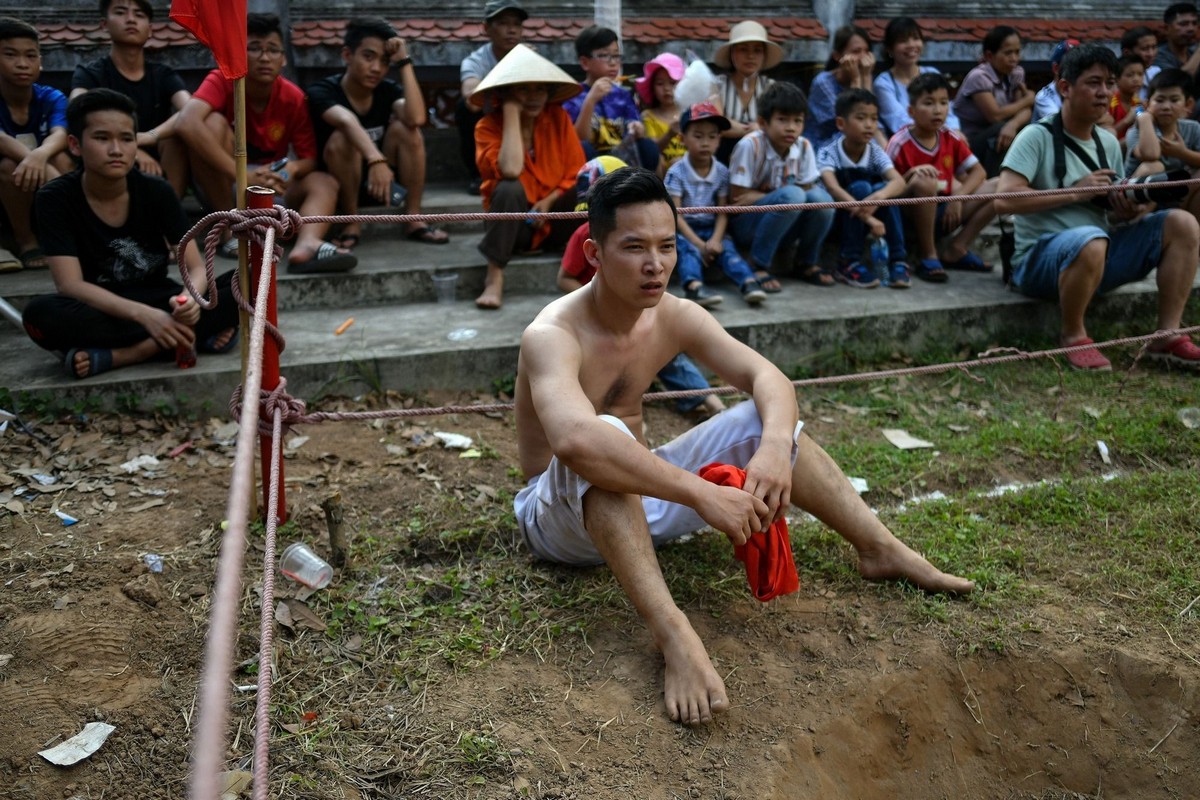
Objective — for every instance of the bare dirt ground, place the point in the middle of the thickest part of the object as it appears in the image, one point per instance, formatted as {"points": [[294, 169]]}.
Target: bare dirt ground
{"points": [[837, 692]]}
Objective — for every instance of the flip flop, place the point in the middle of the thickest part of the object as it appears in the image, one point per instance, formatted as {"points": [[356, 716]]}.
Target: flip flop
{"points": [[8, 262], [99, 362], [816, 275], [429, 235], [769, 283], [34, 258], [930, 269], [229, 249], [347, 241], [969, 263], [210, 345], [326, 259]]}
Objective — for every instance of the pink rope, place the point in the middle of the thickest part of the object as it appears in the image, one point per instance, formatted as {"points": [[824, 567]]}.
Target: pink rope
{"points": [[266, 646]]}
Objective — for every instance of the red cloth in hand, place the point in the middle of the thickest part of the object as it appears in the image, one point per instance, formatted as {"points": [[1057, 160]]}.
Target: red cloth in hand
{"points": [[767, 554]]}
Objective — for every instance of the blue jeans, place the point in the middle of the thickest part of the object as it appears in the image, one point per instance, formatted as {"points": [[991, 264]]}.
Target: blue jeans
{"points": [[691, 261], [679, 375], [854, 230], [764, 234]]}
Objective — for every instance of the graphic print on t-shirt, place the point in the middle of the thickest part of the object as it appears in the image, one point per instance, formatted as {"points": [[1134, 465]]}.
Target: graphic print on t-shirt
{"points": [[131, 264]]}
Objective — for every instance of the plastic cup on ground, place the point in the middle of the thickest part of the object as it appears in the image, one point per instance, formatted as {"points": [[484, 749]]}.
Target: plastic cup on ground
{"points": [[445, 286], [302, 565]]}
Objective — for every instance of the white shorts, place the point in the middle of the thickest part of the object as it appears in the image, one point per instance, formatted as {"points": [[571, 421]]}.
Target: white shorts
{"points": [[549, 509]]}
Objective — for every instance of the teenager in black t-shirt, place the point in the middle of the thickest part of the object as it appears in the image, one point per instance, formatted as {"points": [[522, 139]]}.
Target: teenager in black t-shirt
{"points": [[107, 230], [156, 89], [369, 127]]}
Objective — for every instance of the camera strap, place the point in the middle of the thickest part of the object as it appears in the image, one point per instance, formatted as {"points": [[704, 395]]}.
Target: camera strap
{"points": [[1062, 142]]}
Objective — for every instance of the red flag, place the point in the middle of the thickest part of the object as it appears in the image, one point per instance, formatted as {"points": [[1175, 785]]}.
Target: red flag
{"points": [[220, 25]]}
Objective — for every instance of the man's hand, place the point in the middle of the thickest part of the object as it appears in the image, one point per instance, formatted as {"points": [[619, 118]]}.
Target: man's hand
{"points": [[952, 216], [31, 172], [922, 171], [635, 129], [600, 89], [167, 331], [397, 50], [187, 312], [1172, 146], [267, 178], [1005, 137], [734, 512], [1100, 177], [769, 478], [379, 181], [713, 248], [146, 163]]}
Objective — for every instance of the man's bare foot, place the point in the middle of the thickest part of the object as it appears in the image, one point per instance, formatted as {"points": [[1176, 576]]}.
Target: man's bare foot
{"points": [[493, 290], [693, 690], [898, 561]]}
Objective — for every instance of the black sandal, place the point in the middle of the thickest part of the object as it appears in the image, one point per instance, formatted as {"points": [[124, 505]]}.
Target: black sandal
{"points": [[816, 275]]}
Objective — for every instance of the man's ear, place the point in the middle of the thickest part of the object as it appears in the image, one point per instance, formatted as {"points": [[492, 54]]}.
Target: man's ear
{"points": [[841, 123], [347, 54], [73, 146], [591, 252], [1189, 104]]}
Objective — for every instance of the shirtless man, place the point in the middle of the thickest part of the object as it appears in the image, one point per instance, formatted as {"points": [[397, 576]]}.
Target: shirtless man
{"points": [[596, 493]]}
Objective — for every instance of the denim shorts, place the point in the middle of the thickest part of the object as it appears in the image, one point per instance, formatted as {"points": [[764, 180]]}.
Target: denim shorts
{"points": [[1133, 251]]}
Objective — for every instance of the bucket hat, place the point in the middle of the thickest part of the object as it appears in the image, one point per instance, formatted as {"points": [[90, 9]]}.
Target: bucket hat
{"points": [[745, 32]]}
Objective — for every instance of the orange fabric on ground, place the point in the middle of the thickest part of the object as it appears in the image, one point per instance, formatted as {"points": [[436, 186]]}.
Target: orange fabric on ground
{"points": [[555, 161], [770, 569]]}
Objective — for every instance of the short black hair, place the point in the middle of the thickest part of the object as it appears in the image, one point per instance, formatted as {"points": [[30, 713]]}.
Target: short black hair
{"points": [[592, 38], [263, 25], [847, 100], [12, 28], [144, 5], [841, 40], [1175, 9], [1172, 79], [782, 97], [1129, 38], [993, 40], [926, 83], [1125, 62], [97, 100], [1081, 58], [622, 187], [361, 28]]}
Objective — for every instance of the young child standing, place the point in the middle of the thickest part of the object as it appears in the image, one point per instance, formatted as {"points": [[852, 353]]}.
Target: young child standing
{"points": [[660, 114], [854, 167], [1126, 101], [936, 160], [33, 135], [993, 103], [698, 179], [776, 165], [1163, 138]]}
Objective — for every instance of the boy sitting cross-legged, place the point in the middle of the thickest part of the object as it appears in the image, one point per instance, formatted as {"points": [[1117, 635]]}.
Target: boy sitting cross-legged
{"points": [[698, 179], [1163, 138], [854, 167], [107, 230], [775, 165], [935, 160]]}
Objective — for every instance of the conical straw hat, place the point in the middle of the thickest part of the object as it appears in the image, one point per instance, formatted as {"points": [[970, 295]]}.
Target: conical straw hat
{"points": [[748, 31], [523, 65]]}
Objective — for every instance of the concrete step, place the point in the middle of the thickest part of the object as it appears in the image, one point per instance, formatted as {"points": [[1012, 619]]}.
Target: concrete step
{"points": [[424, 345]]}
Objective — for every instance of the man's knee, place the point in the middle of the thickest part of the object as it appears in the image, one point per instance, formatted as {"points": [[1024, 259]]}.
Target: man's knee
{"points": [[1181, 229], [922, 186], [339, 150], [509, 195], [859, 189], [407, 136], [1091, 256]]}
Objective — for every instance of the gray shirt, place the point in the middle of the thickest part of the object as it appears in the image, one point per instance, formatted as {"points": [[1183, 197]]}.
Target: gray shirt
{"points": [[1189, 131]]}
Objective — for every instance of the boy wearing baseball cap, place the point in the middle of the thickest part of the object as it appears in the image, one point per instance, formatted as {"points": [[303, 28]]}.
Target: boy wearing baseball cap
{"points": [[698, 179]]}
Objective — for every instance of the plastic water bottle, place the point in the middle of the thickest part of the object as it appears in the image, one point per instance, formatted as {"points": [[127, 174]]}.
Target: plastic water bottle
{"points": [[879, 259]]}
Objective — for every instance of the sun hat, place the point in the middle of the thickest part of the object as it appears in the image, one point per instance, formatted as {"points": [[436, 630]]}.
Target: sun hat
{"points": [[743, 32], [591, 172], [523, 65], [1061, 49], [703, 112], [494, 8], [672, 63]]}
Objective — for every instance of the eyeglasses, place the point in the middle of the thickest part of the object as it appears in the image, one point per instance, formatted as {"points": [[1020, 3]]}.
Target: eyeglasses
{"points": [[612, 58], [254, 51]]}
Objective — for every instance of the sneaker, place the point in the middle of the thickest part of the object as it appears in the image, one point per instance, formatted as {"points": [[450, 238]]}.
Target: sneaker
{"points": [[856, 275], [1089, 359], [703, 296], [1178, 352], [753, 292], [898, 277]]}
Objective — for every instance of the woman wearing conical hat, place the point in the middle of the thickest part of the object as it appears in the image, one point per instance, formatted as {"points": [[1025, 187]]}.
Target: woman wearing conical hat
{"points": [[528, 156]]}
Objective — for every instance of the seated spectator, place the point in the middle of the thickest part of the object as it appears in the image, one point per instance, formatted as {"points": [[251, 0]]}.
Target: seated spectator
{"points": [[773, 165], [696, 180], [1126, 101], [108, 231], [903, 44], [680, 374], [1164, 139], [368, 128], [503, 25], [1142, 43], [660, 114], [277, 121], [854, 167], [606, 118], [747, 54], [850, 66], [1069, 248], [529, 157], [155, 88], [1047, 100], [993, 103], [31, 151], [936, 160], [1178, 50]]}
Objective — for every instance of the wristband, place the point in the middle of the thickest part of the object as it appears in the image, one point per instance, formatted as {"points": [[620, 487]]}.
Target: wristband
{"points": [[374, 161], [404, 62]]}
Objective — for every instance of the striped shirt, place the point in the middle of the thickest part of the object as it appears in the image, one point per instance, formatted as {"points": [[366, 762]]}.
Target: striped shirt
{"points": [[874, 161], [693, 190], [756, 165]]}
